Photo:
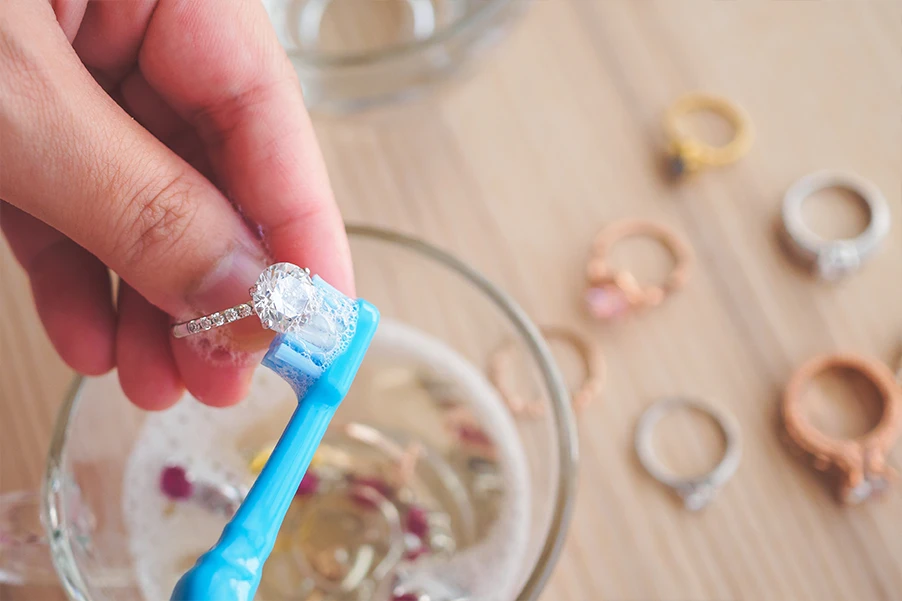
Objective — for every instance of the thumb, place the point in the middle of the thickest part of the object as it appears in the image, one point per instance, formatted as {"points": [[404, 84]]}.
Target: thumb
{"points": [[75, 160]]}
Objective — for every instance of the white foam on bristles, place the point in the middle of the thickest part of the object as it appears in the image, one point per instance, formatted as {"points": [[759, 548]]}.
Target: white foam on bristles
{"points": [[203, 439], [339, 314]]}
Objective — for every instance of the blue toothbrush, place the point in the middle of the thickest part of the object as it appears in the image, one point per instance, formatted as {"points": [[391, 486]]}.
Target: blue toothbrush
{"points": [[231, 570]]}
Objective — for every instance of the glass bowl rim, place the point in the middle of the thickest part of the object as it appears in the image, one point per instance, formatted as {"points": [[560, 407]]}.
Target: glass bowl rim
{"points": [[478, 18], [53, 514]]}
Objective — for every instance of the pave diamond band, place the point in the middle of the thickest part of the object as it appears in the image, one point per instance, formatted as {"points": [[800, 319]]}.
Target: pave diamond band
{"points": [[284, 298], [213, 320]]}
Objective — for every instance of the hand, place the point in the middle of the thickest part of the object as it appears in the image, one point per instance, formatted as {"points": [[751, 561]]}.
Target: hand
{"points": [[168, 141]]}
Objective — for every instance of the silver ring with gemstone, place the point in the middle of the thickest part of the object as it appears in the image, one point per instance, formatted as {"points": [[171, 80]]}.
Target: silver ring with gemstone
{"points": [[695, 491], [833, 259], [284, 298]]}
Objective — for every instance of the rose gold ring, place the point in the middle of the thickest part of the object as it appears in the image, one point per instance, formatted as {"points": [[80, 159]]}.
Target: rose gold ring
{"points": [[861, 461], [614, 293], [501, 367]]}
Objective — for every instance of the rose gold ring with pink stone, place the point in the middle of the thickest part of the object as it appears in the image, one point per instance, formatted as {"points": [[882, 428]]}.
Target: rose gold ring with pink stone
{"points": [[614, 293]]}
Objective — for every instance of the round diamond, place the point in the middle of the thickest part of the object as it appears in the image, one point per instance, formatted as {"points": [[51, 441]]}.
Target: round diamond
{"points": [[837, 260], [205, 323], [230, 314], [193, 328], [244, 310], [217, 319], [284, 296]]}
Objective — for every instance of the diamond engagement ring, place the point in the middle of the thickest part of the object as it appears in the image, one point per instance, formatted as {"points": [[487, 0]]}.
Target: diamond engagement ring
{"points": [[832, 259], [286, 299], [695, 491]]}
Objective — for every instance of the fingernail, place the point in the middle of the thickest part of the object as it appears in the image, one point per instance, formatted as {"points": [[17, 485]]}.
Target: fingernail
{"points": [[226, 286]]}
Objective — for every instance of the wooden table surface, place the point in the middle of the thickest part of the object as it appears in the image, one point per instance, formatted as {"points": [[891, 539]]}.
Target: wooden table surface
{"points": [[557, 133]]}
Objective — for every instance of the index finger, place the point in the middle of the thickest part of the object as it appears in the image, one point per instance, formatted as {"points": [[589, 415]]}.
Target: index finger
{"points": [[221, 67]]}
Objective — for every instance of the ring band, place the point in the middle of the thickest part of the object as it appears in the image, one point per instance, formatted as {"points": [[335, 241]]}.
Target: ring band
{"points": [[500, 367], [613, 293], [213, 320], [283, 298], [688, 154], [861, 460], [698, 491], [833, 259], [287, 300]]}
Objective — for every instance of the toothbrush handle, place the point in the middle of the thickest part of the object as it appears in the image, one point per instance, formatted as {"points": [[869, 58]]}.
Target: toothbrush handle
{"points": [[231, 570], [233, 567]]}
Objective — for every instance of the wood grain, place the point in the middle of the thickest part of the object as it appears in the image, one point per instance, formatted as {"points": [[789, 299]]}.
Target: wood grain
{"points": [[517, 167]]}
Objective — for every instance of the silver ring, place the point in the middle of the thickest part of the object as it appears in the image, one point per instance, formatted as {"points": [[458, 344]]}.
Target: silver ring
{"points": [[833, 259], [286, 299], [282, 298], [696, 491]]}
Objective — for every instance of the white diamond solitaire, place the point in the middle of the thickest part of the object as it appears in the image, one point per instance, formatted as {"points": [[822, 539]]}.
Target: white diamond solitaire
{"points": [[284, 298], [837, 260], [832, 260]]}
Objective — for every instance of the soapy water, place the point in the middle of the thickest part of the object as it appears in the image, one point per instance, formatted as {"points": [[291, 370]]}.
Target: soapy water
{"points": [[215, 445]]}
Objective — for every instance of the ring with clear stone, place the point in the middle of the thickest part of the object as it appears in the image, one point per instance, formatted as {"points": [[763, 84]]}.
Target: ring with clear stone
{"points": [[832, 259], [696, 491], [283, 298], [860, 462]]}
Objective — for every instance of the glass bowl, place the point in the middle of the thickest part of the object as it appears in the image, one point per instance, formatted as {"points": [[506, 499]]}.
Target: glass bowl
{"points": [[352, 54], [86, 489]]}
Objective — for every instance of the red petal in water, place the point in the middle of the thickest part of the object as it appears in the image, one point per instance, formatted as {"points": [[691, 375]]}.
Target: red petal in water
{"points": [[417, 522], [309, 484], [175, 484]]}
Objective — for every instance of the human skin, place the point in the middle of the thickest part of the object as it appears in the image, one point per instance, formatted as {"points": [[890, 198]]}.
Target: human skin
{"points": [[165, 141]]}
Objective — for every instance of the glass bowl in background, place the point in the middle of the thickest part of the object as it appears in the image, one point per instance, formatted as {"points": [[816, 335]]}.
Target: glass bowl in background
{"points": [[352, 54], [88, 486]]}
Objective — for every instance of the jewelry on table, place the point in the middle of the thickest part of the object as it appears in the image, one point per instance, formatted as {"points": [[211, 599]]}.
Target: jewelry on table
{"points": [[501, 367], [688, 154], [613, 292], [860, 461], [832, 259], [696, 491], [286, 299]]}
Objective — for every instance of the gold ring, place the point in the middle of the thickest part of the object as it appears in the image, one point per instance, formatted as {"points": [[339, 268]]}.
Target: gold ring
{"points": [[688, 154]]}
